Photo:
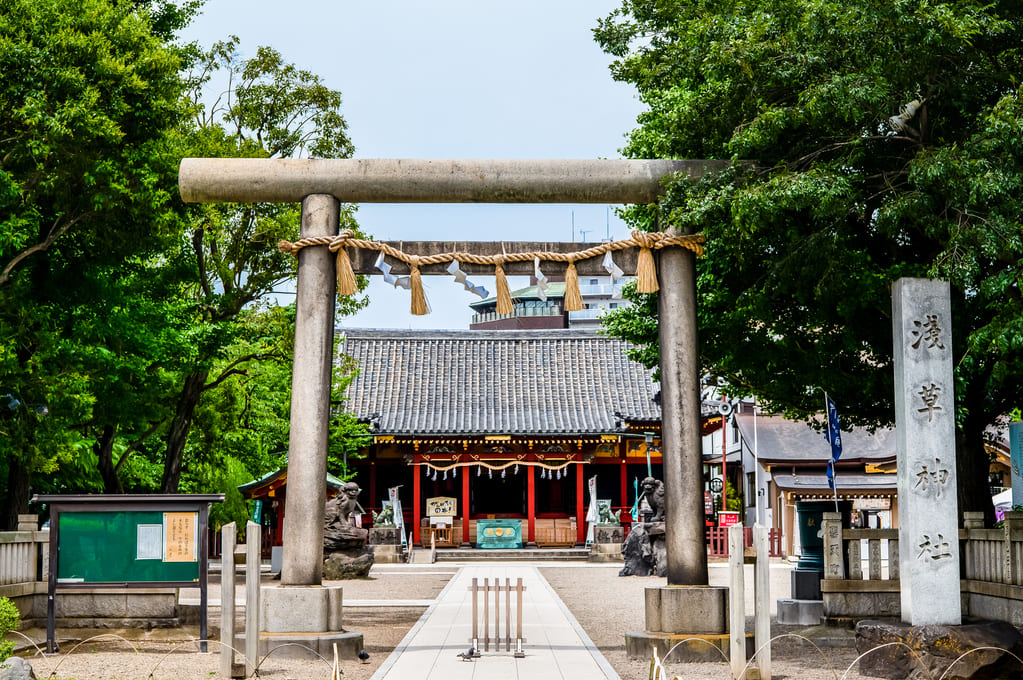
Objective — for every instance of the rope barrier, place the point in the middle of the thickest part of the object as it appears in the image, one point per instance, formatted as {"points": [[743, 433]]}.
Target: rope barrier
{"points": [[646, 273]]}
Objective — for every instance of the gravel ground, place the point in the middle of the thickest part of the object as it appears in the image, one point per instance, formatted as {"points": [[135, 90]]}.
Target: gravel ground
{"points": [[605, 605]]}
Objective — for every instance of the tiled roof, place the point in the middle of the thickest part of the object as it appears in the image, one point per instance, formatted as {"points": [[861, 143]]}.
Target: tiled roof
{"points": [[495, 382], [783, 442], [844, 481]]}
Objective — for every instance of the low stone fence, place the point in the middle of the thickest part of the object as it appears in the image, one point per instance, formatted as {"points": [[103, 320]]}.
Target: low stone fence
{"points": [[24, 555], [861, 570]]}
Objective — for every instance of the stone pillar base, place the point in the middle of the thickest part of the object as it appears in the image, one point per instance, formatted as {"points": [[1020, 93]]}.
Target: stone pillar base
{"points": [[690, 647], [349, 644], [675, 610], [306, 615], [800, 612]]}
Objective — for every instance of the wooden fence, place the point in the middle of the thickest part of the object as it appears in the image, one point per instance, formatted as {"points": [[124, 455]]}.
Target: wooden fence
{"points": [[861, 570], [717, 541], [22, 556]]}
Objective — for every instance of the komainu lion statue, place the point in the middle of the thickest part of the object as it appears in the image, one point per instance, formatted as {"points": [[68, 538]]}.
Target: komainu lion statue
{"points": [[653, 491]]}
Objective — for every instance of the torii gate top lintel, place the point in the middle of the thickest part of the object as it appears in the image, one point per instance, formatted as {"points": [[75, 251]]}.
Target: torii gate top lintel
{"points": [[356, 180]]}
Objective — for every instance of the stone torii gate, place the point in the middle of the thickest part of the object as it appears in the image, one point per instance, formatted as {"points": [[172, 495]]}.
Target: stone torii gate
{"points": [[321, 185]]}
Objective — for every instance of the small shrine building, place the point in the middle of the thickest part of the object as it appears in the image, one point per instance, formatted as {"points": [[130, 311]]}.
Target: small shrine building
{"points": [[506, 424]]}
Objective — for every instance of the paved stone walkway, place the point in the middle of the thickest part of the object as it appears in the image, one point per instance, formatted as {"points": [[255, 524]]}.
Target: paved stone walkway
{"points": [[556, 647]]}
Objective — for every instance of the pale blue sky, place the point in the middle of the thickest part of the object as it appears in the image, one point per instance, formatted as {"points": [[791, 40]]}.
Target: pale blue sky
{"points": [[452, 79]]}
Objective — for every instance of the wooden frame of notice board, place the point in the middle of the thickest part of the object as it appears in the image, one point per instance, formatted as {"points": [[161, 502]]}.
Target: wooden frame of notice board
{"points": [[127, 541]]}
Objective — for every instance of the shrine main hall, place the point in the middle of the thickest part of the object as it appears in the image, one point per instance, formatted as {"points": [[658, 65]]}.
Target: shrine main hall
{"points": [[509, 424]]}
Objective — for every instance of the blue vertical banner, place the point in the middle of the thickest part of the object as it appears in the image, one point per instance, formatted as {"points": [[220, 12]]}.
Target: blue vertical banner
{"points": [[834, 436], [1016, 462]]}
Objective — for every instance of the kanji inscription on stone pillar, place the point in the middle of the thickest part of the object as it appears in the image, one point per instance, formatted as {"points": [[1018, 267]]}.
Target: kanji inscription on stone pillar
{"points": [[925, 426]]}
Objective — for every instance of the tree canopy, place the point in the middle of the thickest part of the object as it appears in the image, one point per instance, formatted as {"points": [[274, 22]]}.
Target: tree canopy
{"points": [[886, 141], [88, 103], [127, 316]]}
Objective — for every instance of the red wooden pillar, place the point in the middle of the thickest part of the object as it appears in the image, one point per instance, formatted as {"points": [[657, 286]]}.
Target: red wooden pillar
{"points": [[580, 513], [531, 504], [625, 485], [416, 477], [465, 506]]}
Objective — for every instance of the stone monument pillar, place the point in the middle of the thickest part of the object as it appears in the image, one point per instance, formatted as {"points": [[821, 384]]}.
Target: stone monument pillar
{"points": [[925, 427]]}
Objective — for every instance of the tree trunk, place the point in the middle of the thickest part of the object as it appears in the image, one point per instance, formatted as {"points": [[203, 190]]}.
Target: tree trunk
{"points": [[972, 468], [18, 491], [104, 448], [177, 436]]}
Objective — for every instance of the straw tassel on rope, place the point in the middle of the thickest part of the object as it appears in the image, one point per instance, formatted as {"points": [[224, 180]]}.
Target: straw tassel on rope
{"points": [[504, 301], [346, 284], [419, 306], [646, 270], [573, 298]]}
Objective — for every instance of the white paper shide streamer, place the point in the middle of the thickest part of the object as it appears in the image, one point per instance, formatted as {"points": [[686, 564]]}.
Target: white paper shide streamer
{"points": [[455, 270], [396, 281], [541, 280], [616, 273]]}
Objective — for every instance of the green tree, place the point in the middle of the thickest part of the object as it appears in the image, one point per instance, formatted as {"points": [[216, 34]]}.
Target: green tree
{"points": [[888, 140], [9, 619], [268, 109], [90, 94]]}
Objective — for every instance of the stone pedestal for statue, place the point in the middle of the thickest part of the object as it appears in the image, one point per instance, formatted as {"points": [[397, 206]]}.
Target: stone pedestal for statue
{"points": [[928, 651], [385, 542], [607, 543], [644, 551]]}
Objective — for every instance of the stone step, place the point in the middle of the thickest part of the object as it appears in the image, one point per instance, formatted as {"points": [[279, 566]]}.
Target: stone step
{"points": [[512, 555]]}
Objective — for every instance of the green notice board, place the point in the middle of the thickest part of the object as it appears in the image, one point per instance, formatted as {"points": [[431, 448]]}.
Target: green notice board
{"points": [[137, 546]]}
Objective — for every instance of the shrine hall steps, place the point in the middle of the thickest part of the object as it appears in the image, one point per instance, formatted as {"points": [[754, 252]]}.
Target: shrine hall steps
{"points": [[512, 555]]}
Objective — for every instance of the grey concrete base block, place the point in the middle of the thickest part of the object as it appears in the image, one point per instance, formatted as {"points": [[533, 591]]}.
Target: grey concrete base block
{"points": [[106, 623], [681, 648], [699, 610], [800, 612], [302, 645], [300, 609], [116, 603]]}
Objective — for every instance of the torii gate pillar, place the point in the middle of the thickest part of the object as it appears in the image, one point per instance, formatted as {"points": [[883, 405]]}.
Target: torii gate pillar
{"points": [[310, 397]]}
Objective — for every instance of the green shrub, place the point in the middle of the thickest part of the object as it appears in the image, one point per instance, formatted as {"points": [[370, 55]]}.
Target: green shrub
{"points": [[9, 618]]}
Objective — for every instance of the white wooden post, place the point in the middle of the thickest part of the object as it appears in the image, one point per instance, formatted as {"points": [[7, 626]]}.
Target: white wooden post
{"points": [[762, 602], [253, 546], [736, 601], [228, 535]]}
